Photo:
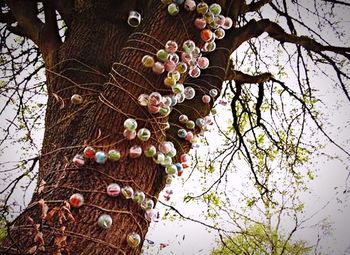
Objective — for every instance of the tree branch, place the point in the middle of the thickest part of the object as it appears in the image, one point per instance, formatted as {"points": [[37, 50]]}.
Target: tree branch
{"points": [[241, 77], [255, 6], [29, 24]]}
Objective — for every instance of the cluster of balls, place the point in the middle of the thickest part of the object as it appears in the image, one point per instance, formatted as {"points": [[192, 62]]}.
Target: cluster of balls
{"points": [[99, 157], [105, 221], [212, 23], [168, 60]]}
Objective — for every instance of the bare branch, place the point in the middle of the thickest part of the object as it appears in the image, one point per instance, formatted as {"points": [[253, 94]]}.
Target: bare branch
{"points": [[255, 6], [337, 2]]}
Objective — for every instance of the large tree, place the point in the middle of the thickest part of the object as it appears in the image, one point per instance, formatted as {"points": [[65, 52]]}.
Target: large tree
{"points": [[88, 48]]}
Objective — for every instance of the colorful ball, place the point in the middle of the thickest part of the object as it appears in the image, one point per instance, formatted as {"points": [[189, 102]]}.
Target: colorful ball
{"points": [[189, 136], [171, 169], [164, 111], [200, 23], [155, 98], [158, 158], [138, 197], [203, 62], [130, 124], [113, 190], [219, 33], [190, 124], [178, 88], [158, 68], [202, 7], [147, 204], [162, 55], [190, 5], [209, 17], [169, 65], [209, 47], [188, 46], [171, 46], [181, 133], [189, 93], [104, 221], [100, 157], [215, 9], [147, 61], [127, 192], [169, 81], [206, 35], [143, 99], [150, 151], [175, 75], [129, 134], [78, 160], [135, 151], [227, 24], [76, 99], [89, 152], [181, 67], [183, 118], [114, 155], [180, 97], [76, 200], [213, 92], [144, 134], [133, 240], [206, 99], [173, 9], [194, 72]]}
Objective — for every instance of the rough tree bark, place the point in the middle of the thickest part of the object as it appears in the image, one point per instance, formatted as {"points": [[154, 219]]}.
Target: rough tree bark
{"points": [[98, 39]]}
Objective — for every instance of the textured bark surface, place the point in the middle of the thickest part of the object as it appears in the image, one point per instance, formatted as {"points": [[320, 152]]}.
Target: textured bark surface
{"points": [[99, 39]]}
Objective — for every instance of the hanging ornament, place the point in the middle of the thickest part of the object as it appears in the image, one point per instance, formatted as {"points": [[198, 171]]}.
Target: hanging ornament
{"points": [[188, 46], [129, 134], [134, 19], [173, 9], [130, 124], [181, 67], [164, 111], [152, 215], [166, 101], [189, 93], [215, 9], [208, 120], [181, 133], [175, 75], [138, 197], [190, 124], [89, 152], [155, 98], [78, 160], [158, 158], [203, 62], [147, 204], [189, 136], [158, 68], [104, 221], [169, 81], [167, 161], [206, 99], [144, 134], [172, 153], [194, 72], [200, 23], [178, 88], [171, 169], [190, 5], [220, 20], [169, 65], [143, 99], [150, 151], [147, 61], [202, 8], [228, 23], [179, 168], [213, 92], [180, 97], [133, 240], [185, 158], [114, 155], [100, 157], [200, 122], [113, 190], [171, 46], [168, 179], [127, 192], [183, 118], [209, 18], [219, 33], [173, 57], [135, 151], [162, 55], [76, 99], [76, 200]]}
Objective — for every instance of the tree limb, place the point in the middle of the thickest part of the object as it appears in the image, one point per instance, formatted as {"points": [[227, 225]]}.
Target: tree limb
{"points": [[241, 77], [255, 6], [29, 24]]}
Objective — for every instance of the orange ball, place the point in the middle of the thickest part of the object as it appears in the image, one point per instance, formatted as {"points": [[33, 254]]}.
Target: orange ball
{"points": [[206, 35]]}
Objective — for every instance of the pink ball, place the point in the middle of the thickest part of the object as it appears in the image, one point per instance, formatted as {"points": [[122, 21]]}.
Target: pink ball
{"points": [[200, 23], [183, 118], [113, 190], [135, 151], [153, 108], [158, 68], [189, 136], [185, 158], [228, 23], [206, 99], [129, 134], [203, 62], [169, 66]]}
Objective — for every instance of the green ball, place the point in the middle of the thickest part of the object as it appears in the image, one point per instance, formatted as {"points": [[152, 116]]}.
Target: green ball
{"points": [[114, 155], [190, 124], [162, 55], [150, 151], [215, 9], [171, 169]]}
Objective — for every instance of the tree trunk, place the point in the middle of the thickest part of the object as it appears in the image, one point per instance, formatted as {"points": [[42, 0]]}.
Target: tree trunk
{"points": [[98, 39]]}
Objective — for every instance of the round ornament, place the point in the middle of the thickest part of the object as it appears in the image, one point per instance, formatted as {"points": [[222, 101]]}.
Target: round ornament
{"points": [[190, 5], [189, 93], [189, 136], [206, 99], [181, 67], [171, 46], [169, 81], [144, 134], [173, 9], [147, 204], [194, 72], [171, 169], [219, 33], [133, 240], [169, 65], [202, 7], [104, 221], [78, 160], [203, 62], [181, 133], [134, 19], [113, 190], [143, 99], [178, 88], [228, 23], [147, 61], [150, 151], [155, 98], [175, 75], [130, 124], [200, 23], [138, 197], [135, 151], [76, 99], [188, 46], [158, 158], [180, 97], [100, 157], [114, 155], [190, 124], [127, 192], [164, 111], [162, 55], [215, 9], [152, 215], [183, 118], [206, 35], [213, 92], [76, 200], [158, 68], [129, 134], [89, 152]]}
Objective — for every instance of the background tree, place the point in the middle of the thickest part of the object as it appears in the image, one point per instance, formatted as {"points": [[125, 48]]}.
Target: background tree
{"points": [[87, 48]]}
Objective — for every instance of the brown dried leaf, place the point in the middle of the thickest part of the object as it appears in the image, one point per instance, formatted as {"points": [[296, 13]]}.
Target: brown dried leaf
{"points": [[41, 186], [51, 213], [59, 99], [32, 250], [39, 238], [44, 208]]}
